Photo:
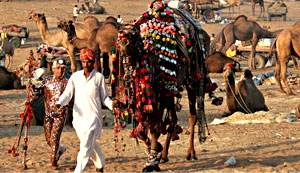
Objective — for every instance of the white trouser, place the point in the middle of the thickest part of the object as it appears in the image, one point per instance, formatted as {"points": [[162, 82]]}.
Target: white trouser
{"points": [[89, 149]]}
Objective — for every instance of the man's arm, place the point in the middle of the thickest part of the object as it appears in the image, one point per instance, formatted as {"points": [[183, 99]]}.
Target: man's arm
{"points": [[67, 95], [104, 94]]}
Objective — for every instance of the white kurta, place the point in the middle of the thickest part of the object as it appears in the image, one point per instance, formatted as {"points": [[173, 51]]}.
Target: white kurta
{"points": [[89, 93]]}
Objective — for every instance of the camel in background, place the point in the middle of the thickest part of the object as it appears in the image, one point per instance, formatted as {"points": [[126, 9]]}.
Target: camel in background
{"points": [[100, 40], [261, 5], [242, 29], [9, 80], [57, 39], [216, 62], [245, 97], [233, 3], [287, 45], [9, 50]]}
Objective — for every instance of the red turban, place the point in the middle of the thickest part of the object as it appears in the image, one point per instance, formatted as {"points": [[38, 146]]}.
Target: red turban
{"points": [[87, 54]]}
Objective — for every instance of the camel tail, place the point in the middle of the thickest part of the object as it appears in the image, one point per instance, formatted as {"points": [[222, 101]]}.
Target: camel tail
{"points": [[271, 49]]}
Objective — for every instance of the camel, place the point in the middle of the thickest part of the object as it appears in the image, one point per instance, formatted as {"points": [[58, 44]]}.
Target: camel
{"points": [[233, 3], [287, 44], [135, 56], [261, 5], [95, 8], [99, 40], [57, 39], [245, 97], [9, 50], [242, 29], [9, 80], [216, 62]]}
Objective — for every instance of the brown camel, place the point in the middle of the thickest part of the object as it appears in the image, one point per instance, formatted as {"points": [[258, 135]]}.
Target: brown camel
{"points": [[95, 8], [9, 80], [57, 39], [261, 5], [245, 97], [9, 51], [242, 29], [233, 3], [99, 40], [216, 62], [287, 45]]}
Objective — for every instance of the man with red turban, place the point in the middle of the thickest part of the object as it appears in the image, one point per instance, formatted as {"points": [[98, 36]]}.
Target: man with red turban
{"points": [[90, 91]]}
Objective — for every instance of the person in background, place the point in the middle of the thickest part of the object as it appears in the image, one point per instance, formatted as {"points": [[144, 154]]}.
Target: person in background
{"points": [[175, 4], [82, 9], [75, 13], [120, 20], [90, 92], [218, 17], [52, 87]]}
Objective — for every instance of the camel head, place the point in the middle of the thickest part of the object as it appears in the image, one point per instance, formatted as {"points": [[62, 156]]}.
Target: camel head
{"points": [[37, 17], [127, 40], [68, 27], [248, 74], [123, 43], [228, 70]]}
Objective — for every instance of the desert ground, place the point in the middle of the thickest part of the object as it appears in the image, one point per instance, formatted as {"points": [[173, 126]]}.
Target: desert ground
{"points": [[257, 147]]}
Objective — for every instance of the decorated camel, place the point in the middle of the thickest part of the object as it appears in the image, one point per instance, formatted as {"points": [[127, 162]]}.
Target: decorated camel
{"points": [[153, 58], [287, 44], [243, 97], [242, 29], [9, 50], [57, 39], [99, 40]]}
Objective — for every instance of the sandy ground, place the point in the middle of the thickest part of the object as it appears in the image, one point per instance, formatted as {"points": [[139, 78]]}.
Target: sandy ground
{"points": [[256, 147]]}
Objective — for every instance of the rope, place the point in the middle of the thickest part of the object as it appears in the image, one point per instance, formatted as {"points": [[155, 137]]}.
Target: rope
{"points": [[247, 111]]}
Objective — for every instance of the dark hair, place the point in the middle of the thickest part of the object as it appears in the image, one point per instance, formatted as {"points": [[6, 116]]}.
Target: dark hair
{"points": [[75, 6]]}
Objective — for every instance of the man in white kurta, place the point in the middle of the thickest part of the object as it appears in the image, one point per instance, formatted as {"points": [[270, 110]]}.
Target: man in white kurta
{"points": [[90, 92]]}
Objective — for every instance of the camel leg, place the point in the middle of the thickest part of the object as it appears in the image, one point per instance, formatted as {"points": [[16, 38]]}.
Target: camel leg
{"points": [[97, 65], [253, 10], [9, 61], [283, 77], [294, 62], [298, 62], [253, 52], [191, 154], [155, 126], [277, 75], [173, 119], [71, 53]]}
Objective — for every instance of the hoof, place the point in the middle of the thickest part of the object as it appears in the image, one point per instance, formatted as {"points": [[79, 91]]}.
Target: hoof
{"points": [[189, 157], [291, 94], [151, 168], [164, 160]]}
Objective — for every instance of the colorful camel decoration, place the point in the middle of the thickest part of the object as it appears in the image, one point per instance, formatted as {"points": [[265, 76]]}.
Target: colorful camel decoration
{"points": [[152, 60]]}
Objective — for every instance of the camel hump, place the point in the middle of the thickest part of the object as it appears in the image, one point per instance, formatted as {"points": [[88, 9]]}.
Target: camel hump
{"points": [[241, 17], [248, 74], [90, 18]]}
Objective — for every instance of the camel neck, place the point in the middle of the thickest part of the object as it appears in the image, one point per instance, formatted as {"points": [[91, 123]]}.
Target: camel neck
{"points": [[230, 88]]}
